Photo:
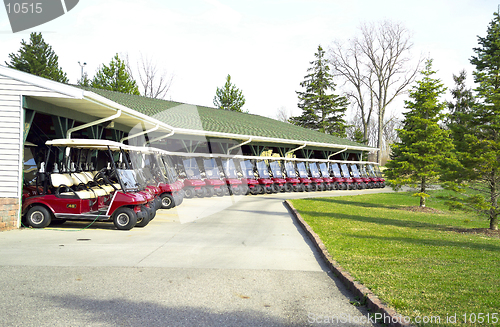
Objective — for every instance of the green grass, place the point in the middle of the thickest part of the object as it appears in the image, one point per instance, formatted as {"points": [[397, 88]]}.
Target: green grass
{"points": [[413, 261]]}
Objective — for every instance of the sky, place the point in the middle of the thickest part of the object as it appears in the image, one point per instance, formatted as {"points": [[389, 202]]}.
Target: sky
{"points": [[266, 46]]}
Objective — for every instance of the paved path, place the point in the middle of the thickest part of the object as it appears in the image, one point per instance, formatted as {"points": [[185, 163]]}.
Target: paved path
{"points": [[231, 261]]}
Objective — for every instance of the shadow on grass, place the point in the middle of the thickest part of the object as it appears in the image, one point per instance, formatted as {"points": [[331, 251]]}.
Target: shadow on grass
{"points": [[356, 203], [431, 242], [380, 221]]}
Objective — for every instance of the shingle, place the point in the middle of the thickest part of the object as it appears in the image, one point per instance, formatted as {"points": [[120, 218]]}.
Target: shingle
{"points": [[181, 115]]}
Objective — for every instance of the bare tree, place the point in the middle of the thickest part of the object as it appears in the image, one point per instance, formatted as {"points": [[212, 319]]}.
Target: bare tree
{"points": [[283, 114], [348, 62], [155, 83], [377, 66]]}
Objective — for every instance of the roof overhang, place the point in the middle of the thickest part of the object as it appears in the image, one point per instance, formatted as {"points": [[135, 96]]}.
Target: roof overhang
{"points": [[95, 105]]}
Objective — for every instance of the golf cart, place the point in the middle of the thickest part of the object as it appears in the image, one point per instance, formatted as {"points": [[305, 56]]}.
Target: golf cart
{"points": [[234, 184], [264, 179], [340, 183], [347, 176], [327, 179], [193, 182], [375, 172], [171, 187], [108, 193], [252, 184], [359, 182], [292, 182], [278, 178], [318, 182], [304, 176], [213, 181]]}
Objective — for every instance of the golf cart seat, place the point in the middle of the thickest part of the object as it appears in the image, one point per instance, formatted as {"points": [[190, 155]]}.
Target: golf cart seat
{"points": [[63, 184]]}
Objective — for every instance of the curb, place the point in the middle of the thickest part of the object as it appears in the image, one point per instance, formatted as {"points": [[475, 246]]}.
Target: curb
{"points": [[389, 316]]}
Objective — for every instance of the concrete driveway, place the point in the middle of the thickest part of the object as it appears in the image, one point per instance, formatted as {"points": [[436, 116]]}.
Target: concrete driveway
{"points": [[231, 261]]}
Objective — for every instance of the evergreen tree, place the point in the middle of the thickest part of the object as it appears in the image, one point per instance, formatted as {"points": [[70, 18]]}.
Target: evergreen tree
{"points": [[84, 81], [477, 136], [115, 77], [37, 58], [424, 145], [321, 110], [229, 97]]}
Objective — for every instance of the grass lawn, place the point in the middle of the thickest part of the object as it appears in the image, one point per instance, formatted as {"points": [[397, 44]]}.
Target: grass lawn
{"points": [[416, 262]]}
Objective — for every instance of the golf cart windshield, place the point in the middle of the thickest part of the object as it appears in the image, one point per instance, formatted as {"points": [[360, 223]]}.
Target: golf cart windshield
{"points": [[191, 168], [355, 171], [363, 171], [336, 170], [142, 171], [30, 168], [290, 169], [211, 169], [314, 170], [302, 170], [324, 169], [169, 168], [247, 169], [262, 169], [377, 171], [276, 169], [345, 171], [229, 168], [128, 179]]}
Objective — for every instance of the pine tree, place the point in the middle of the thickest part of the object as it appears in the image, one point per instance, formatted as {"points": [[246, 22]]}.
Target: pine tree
{"points": [[84, 81], [115, 77], [424, 145], [37, 58], [477, 136], [321, 110], [229, 97]]}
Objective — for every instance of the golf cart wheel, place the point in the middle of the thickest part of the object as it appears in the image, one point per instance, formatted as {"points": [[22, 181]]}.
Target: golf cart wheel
{"points": [[167, 201], [39, 217], [141, 222], [209, 192], [288, 187], [245, 190], [189, 192], [179, 198], [219, 191], [255, 190], [124, 218], [344, 186], [267, 189], [236, 190], [275, 188]]}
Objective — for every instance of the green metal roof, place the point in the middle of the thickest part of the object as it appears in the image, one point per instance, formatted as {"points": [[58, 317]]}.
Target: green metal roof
{"points": [[181, 115]]}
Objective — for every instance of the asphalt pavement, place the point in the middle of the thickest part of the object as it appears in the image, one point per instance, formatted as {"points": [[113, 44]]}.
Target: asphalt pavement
{"points": [[230, 261]]}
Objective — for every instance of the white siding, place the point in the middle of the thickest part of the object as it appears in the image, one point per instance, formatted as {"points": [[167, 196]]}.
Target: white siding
{"points": [[11, 132]]}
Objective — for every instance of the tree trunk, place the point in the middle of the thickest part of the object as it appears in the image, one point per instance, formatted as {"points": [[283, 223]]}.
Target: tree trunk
{"points": [[494, 223], [422, 190], [379, 139], [494, 203]]}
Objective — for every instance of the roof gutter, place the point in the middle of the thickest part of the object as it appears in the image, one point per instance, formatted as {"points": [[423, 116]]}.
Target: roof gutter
{"points": [[97, 122], [140, 133], [293, 150], [159, 138], [336, 153], [238, 145]]}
